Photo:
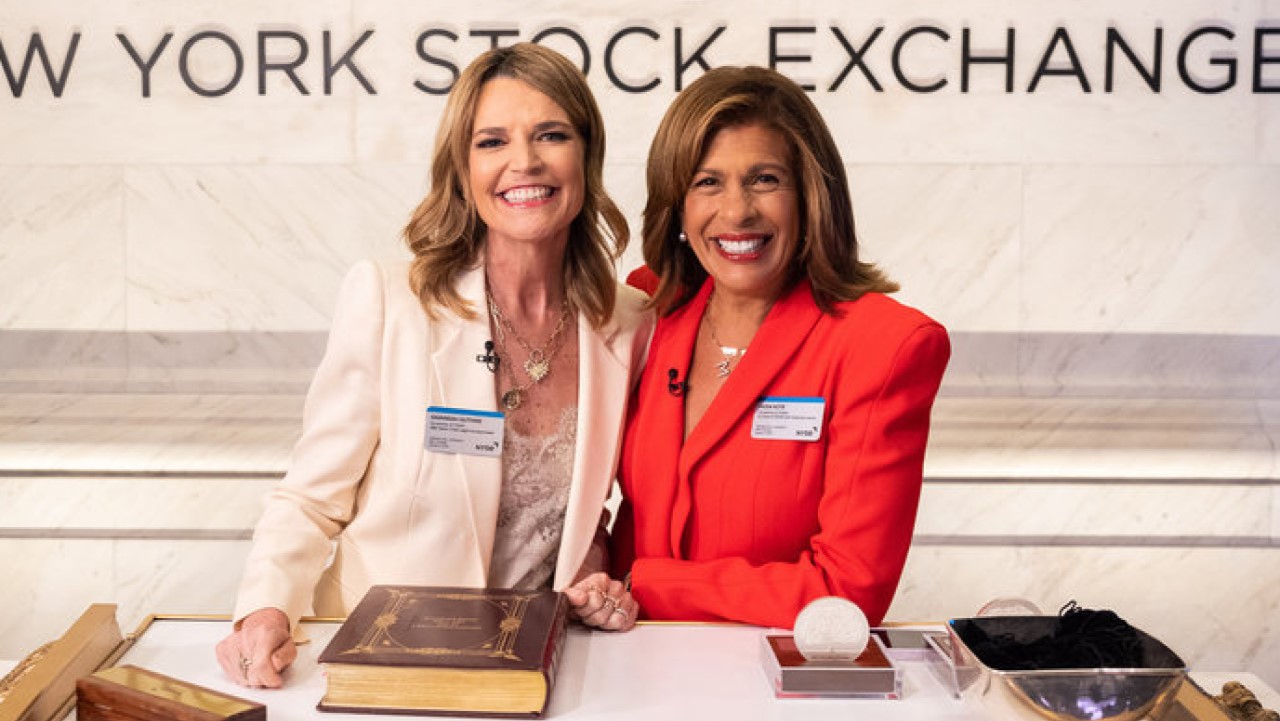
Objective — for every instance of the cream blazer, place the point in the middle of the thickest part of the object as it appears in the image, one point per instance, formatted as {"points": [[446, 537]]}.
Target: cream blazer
{"points": [[362, 503]]}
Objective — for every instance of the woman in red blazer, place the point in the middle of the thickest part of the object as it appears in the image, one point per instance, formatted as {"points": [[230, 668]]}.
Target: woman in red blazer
{"points": [[774, 451]]}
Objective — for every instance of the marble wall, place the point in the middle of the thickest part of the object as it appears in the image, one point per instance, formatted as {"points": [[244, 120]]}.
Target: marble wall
{"points": [[1105, 259], [1041, 210]]}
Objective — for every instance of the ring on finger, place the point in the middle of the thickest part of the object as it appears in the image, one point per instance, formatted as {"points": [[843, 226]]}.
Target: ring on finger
{"points": [[245, 664], [609, 603], [621, 612]]}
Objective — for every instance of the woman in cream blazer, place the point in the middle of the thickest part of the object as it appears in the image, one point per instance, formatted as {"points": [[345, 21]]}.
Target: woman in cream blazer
{"points": [[510, 295], [359, 474]]}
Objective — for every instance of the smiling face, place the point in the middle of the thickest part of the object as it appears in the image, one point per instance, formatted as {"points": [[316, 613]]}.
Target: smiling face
{"points": [[525, 165], [742, 212]]}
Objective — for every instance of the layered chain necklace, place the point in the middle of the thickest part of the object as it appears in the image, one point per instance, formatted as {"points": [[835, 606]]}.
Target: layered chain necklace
{"points": [[730, 353], [538, 363]]}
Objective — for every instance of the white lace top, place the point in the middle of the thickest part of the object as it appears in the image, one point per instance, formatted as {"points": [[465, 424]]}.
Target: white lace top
{"points": [[536, 473]]}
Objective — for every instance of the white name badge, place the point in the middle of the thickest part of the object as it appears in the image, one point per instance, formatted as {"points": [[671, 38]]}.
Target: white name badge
{"points": [[470, 433], [787, 418]]}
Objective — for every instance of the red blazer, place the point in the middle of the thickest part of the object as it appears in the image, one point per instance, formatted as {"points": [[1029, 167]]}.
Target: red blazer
{"points": [[727, 527]]}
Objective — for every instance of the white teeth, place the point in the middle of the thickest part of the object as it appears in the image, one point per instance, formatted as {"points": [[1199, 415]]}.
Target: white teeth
{"points": [[741, 247], [526, 194]]}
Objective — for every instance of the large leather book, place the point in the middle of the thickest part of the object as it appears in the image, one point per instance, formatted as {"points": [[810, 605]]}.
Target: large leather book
{"points": [[443, 650]]}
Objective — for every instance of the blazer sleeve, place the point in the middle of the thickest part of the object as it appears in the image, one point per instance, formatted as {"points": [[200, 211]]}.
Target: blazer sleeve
{"points": [[872, 476], [316, 499]]}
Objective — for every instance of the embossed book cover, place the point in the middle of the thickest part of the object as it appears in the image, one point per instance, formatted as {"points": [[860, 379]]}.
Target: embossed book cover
{"points": [[441, 650]]}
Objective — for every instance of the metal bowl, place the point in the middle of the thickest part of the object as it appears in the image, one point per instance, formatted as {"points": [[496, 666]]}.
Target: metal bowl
{"points": [[1114, 694]]}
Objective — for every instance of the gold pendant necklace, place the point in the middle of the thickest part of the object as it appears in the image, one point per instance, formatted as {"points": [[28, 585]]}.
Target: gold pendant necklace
{"points": [[729, 352], [537, 366], [512, 399]]}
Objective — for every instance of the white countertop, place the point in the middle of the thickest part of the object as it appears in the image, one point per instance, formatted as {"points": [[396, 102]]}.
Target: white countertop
{"points": [[656, 671]]}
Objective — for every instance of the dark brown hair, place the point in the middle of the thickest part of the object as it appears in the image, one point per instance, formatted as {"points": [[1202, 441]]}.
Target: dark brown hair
{"points": [[827, 253]]}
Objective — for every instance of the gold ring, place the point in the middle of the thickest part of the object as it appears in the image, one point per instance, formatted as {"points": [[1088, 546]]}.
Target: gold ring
{"points": [[244, 666]]}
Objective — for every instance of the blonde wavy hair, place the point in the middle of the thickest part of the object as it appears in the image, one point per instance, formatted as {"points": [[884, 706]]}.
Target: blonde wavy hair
{"points": [[446, 234]]}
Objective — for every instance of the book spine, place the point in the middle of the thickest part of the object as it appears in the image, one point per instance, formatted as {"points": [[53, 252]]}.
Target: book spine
{"points": [[555, 646]]}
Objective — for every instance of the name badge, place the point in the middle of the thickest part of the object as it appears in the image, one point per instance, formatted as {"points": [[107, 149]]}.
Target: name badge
{"points": [[470, 433], [783, 418]]}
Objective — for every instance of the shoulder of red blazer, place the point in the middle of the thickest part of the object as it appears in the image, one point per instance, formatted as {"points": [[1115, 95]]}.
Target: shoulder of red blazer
{"points": [[879, 315], [643, 278]]}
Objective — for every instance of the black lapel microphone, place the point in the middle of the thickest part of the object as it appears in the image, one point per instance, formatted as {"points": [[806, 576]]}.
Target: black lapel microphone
{"points": [[675, 387], [489, 358]]}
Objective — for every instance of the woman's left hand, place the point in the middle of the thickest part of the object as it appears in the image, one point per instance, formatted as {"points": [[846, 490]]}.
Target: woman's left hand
{"points": [[602, 602]]}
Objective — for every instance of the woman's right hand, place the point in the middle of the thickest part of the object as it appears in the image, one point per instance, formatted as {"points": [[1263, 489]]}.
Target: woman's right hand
{"points": [[258, 650], [602, 602]]}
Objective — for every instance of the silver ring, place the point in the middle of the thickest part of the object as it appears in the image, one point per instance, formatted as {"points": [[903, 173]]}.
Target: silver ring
{"points": [[244, 666], [621, 612], [610, 602]]}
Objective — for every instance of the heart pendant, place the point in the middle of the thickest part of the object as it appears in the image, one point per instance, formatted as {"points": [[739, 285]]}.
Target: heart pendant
{"points": [[537, 370]]}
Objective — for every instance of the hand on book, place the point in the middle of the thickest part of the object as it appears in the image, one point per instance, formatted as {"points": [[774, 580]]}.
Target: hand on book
{"points": [[258, 650], [602, 602]]}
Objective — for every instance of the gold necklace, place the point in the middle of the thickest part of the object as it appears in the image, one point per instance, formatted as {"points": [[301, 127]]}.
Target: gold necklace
{"points": [[729, 352], [538, 363]]}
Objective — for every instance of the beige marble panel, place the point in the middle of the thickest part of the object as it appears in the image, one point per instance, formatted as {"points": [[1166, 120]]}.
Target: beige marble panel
{"points": [[48, 583], [255, 363], [62, 246], [1269, 410], [173, 504], [1098, 438], [626, 185], [177, 577], [1269, 132], [1020, 128], [1216, 607], [261, 248], [1172, 364], [141, 432], [181, 362], [1143, 512], [104, 117], [1057, 123], [1268, 107], [1183, 248], [400, 123], [950, 236], [201, 130]]}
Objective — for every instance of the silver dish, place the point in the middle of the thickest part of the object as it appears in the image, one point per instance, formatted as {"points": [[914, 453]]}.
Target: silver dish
{"points": [[1074, 694]]}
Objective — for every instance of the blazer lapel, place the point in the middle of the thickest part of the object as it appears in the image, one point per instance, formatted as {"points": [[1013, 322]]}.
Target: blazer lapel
{"points": [[603, 386], [460, 381], [783, 332], [673, 350]]}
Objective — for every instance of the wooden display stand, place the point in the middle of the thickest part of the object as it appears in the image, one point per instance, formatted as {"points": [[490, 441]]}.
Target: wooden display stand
{"points": [[43, 686]]}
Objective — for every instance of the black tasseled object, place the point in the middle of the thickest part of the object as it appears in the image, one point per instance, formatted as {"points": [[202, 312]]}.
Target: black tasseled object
{"points": [[1080, 638]]}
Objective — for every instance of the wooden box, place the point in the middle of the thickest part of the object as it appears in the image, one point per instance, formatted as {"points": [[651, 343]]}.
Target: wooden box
{"points": [[129, 693]]}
